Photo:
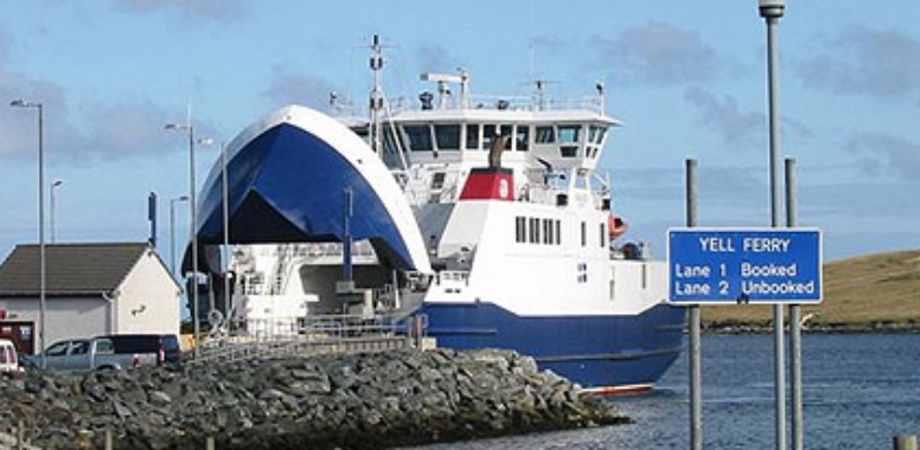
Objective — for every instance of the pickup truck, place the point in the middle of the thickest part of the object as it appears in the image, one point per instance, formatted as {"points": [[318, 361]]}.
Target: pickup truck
{"points": [[91, 354]]}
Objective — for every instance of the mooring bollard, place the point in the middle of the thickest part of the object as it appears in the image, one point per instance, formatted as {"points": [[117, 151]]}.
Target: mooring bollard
{"points": [[905, 442]]}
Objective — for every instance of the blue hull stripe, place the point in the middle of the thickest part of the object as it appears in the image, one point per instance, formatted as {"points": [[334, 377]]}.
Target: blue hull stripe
{"points": [[594, 351]]}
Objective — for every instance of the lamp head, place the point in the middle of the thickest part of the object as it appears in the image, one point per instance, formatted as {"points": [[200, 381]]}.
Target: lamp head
{"points": [[176, 127], [20, 103], [772, 8]]}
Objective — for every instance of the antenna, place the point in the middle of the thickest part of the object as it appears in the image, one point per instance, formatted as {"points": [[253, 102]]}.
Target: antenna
{"points": [[376, 101]]}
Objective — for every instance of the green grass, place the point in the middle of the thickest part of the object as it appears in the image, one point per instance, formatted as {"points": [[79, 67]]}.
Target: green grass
{"points": [[859, 292]]}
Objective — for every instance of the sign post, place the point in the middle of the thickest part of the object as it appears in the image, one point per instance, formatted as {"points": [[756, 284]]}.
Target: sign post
{"points": [[737, 266]]}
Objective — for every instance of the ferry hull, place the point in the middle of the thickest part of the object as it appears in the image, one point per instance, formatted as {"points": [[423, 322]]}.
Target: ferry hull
{"points": [[601, 353]]}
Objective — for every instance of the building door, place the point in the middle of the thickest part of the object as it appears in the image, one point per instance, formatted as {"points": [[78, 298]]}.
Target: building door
{"points": [[21, 333]]}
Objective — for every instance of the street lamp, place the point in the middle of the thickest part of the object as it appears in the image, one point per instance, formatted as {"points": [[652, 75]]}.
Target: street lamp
{"points": [[20, 103], [226, 219], [772, 11], [54, 185], [193, 219], [172, 231]]}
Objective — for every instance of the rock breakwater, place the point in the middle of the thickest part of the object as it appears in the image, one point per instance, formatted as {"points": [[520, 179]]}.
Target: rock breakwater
{"points": [[347, 401]]}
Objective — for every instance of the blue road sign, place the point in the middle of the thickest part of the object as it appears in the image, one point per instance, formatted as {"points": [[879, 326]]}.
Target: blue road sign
{"points": [[733, 265]]}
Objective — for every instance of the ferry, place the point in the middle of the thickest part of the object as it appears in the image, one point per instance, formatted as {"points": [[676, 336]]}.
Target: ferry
{"points": [[481, 221]]}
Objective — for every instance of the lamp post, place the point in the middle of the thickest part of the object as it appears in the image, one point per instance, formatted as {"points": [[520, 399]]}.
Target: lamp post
{"points": [[193, 219], [772, 11], [226, 219], [54, 185], [20, 103], [172, 231]]}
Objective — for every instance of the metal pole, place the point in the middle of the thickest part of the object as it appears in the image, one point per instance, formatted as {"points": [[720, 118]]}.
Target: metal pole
{"points": [[795, 319], [226, 255], [41, 230], [696, 387], [172, 236], [172, 231], [20, 103], [347, 269], [771, 11], [193, 221]]}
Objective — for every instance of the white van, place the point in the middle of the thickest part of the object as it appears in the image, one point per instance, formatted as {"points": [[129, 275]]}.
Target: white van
{"points": [[9, 358]]}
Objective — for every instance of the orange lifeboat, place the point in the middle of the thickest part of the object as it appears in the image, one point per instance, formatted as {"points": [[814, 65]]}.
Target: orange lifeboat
{"points": [[617, 227]]}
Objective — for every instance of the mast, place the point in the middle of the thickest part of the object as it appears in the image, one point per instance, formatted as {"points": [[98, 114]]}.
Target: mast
{"points": [[376, 101]]}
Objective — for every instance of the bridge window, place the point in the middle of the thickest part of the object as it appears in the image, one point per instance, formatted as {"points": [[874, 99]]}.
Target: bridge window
{"points": [[545, 135], [448, 137], [570, 134], [488, 135], [600, 134], [584, 234], [521, 137], [472, 137], [419, 137], [568, 151], [558, 232]]}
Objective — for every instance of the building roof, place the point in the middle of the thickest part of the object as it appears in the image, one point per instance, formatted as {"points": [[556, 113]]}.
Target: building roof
{"points": [[70, 269]]}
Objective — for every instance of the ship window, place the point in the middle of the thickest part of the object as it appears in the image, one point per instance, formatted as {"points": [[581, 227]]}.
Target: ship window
{"points": [[488, 135], [584, 234], [545, 135], [534, 230], [419, 137], [472, 137], [603, 235], [593, 132], [568, 151], [569, 134], [558, 232], [521, 137], [520, 229], [437, 181], [448, 136], [547, 231], [600, 134]]}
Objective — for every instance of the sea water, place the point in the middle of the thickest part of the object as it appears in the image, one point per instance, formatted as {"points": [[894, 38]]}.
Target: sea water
{"points": [[860, 390]]}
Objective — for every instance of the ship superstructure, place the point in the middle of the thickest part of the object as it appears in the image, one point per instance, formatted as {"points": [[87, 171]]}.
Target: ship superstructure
{"points": [[520, 243]]}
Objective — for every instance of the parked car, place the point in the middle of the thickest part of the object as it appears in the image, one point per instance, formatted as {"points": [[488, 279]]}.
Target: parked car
{"points": [[164, 346], [115, 352], [9, 357]]}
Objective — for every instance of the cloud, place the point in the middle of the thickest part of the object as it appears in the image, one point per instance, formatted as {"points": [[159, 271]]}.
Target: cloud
{"points": [[435, 59], [736, 128], [214, 10], [660, 55], [109, 132], [288, 88], [885, 154], [18, 127], [124, 130], [865, 61], [739, 129], [5, 43]]}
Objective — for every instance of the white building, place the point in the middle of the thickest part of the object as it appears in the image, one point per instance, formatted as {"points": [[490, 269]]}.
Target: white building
{"points": [[90, 289]]}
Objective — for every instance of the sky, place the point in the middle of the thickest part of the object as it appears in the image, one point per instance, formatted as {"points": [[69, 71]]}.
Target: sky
{"points": [[688, 80]]}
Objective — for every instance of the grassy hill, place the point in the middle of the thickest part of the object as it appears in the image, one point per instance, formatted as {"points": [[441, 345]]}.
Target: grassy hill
{"points": [[868, 292]]}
